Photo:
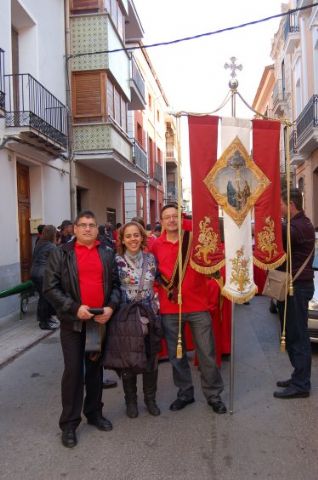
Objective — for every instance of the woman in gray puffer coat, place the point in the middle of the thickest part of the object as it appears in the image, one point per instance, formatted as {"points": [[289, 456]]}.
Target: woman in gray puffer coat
{"points": [[41, 253]]}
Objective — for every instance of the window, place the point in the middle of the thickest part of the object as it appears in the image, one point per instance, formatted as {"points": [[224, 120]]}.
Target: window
{"points": [[158, 116], [139, 134], [88, 96], [149, 102], [116, 105], [85, 6]]}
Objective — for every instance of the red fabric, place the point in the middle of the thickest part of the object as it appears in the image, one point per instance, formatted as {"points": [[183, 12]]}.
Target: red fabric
{"points": [[203, 135], [259, 278], [268, 232], [90, 275], [194, 286]]}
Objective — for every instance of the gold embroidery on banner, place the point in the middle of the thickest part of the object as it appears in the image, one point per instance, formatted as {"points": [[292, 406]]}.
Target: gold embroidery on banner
{"points": [[208, 241], [239, 273], [266, 239], [236, 182]]}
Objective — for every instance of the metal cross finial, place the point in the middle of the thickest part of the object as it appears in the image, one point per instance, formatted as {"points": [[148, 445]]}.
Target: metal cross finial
{"points": [[233, 66]]}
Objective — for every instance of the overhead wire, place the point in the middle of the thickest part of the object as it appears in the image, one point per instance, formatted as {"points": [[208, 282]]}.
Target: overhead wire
{"points": [[195, 37]]}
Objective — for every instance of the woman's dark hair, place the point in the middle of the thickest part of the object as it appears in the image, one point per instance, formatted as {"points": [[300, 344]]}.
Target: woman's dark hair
{"points": [[121, 247], [138, 220], [49, 233]]}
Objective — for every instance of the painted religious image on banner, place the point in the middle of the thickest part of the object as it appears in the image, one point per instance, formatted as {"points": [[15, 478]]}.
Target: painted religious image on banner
{"points": [[236, 182]]}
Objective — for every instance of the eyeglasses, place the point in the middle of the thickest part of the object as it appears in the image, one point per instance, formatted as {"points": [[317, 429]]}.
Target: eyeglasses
{"points": [[173, 217], [86, 225]]}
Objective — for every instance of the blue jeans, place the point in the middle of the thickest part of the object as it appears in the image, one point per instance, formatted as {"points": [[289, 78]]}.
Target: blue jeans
{"points": [[297, 337], [200, 325]]}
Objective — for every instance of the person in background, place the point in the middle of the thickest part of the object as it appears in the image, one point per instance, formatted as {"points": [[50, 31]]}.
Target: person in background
{"points": [[66, 232], [39, 234], [298, 345], [46, 243], [157, 231], [81, 275], [137, 271], [139, 220]]}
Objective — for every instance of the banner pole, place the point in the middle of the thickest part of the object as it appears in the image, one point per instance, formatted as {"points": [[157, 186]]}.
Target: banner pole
{"points": [[179, 352]]}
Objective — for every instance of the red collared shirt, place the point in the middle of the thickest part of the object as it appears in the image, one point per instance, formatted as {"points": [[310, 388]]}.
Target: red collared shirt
{"points": [[90, 275], [194, 287]]}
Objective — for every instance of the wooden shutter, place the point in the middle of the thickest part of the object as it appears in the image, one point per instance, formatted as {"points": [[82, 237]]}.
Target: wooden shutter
{"points": [[88, 96], [85, 5]]}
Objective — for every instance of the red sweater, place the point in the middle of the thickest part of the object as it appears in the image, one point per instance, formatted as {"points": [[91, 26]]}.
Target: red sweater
{"points": [[194, 290], [90, 275]]}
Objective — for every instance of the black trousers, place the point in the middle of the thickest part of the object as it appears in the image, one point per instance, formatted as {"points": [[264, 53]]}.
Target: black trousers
{"points": [[77, 363], [44, 308]]}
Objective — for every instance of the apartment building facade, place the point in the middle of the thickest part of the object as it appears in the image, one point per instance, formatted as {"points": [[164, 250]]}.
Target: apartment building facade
{"points": [[295, 95], [105, 85], [34, 171]]}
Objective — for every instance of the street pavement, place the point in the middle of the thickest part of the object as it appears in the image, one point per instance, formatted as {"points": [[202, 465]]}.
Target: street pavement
{"points": [[265, 438]]}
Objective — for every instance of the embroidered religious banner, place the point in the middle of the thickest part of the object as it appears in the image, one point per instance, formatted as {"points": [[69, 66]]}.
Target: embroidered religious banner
{"points": [[268, 249], [207, 253], [236, 183]]}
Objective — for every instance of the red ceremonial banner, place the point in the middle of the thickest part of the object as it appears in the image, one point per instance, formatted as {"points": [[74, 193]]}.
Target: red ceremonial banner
{"points": [[207, 252], [268, 250]]}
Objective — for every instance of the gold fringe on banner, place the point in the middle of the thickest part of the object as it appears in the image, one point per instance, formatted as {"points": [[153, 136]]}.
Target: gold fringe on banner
{"points": [[240, 299], [206, 270], [269, 266]]}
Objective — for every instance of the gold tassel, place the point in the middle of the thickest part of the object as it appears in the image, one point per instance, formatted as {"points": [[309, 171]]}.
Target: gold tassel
{"points": [[179, 347], [283, 343], [291, 288]]}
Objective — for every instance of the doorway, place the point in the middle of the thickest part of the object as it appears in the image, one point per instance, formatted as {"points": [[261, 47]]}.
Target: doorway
{"points": [[24, 214]]}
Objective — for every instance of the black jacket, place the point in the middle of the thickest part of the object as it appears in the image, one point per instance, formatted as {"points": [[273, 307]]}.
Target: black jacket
{"points": [[41, 254], [61, 286], [126, 346]]}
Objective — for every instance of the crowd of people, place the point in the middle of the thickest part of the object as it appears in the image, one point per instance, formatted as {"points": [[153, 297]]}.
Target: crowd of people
{"points": [[90, 276]]}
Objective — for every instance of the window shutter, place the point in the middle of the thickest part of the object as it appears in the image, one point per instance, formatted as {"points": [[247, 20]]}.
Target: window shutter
{"points": [[88, 96], [85, 5]]}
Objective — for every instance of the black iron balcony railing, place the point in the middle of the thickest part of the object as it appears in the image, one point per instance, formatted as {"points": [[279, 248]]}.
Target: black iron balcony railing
{"points": [[308, 119], [2, 96], [293, 142], [172, 191], [137, 78], [158, 173], [30, 104], [291, 24], [139, 156]]}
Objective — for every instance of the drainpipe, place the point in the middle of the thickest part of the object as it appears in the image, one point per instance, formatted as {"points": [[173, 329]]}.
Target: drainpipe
{"points": [[70, 153]]}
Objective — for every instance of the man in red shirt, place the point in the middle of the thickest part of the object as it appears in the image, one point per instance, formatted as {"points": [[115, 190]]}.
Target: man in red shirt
{"points": [[194, 310], [81, 275]]}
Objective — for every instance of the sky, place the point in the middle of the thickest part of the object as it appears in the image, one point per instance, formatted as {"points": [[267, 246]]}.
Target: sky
{"points": [[192, 73]]}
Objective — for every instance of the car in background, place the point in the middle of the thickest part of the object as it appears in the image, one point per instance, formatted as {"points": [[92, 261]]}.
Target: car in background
{"points": [[313, 304]]}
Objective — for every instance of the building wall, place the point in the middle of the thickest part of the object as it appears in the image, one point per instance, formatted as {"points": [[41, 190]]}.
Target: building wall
{"points": [[41, 53], [102, 193]]}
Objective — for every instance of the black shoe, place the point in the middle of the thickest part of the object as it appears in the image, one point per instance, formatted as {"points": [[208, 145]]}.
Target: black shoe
{"points": [[109, 383], [179, 404], [291, 392], [152, 407], [283, 383], [101, 423], [132, 410], [48, 326], [218, 406], [69, 439]]}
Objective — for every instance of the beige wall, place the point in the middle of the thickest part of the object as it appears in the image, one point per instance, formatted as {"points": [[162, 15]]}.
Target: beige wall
{"points": [[101, 192]]}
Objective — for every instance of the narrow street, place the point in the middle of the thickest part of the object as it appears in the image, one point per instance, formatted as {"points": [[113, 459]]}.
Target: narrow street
{"points": [[264, 438]]}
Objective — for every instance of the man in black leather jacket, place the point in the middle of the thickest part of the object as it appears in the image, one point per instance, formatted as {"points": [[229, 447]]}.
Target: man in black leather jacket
{"points": [[80, 275]]}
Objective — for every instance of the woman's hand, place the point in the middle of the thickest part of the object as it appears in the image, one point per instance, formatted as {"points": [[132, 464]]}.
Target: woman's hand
{"points": [[104, 317]]}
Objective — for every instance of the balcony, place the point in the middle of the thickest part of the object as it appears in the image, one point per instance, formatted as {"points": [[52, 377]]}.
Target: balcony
{"points": [[291, 32], [139, 156], [171, 155], [172, 192], [307, 127], [105, 148], [158, 173], [137, 87], [279, 99], [34, 114], [295, 157], [2, 96]]}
